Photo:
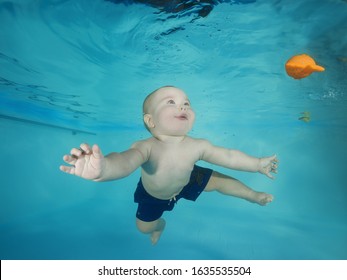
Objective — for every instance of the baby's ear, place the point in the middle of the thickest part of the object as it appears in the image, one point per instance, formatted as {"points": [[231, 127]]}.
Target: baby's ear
{"points": [[147, 118]]}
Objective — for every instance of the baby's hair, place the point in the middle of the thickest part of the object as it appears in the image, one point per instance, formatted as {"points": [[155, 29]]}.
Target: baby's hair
{"points": [[147, 101], [148, 97]]}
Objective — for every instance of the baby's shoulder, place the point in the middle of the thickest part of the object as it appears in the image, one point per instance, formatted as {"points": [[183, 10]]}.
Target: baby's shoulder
{"points": [[198, 146], [144, 146], [199, 142]]}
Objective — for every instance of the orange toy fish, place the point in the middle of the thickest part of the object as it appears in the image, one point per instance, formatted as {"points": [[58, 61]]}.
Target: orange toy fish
{"points": [[301, 66]]}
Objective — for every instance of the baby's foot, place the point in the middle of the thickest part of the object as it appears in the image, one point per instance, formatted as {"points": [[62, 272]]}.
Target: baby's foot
{"points": [[261, 198], [155, 235]]}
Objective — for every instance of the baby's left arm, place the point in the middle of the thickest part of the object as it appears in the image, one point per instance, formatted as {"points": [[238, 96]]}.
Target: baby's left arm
{"points": [[268, 165], [238, 160]]}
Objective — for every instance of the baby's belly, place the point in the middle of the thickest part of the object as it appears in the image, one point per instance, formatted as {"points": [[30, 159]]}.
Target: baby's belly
{"points": [[165, 186]]}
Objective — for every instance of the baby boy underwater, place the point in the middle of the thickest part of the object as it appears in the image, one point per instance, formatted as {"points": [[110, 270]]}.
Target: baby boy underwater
{"points": [[168, 163]]}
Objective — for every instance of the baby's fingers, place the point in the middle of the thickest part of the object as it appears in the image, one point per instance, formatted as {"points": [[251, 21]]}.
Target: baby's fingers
{"points": [[68, 169], [85, 148], [76, 152], [97, 152], [274, 159], [70, 159]]}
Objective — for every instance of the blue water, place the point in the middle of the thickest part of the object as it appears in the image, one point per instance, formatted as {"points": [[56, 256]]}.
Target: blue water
{"points": [[78, 71]]}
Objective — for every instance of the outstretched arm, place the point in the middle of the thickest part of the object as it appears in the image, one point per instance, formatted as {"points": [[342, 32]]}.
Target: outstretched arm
{"points": [[89, 163], [238, 160]]}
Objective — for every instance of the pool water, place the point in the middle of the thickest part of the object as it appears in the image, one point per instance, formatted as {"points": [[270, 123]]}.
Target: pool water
{"points": [[78, 71]]}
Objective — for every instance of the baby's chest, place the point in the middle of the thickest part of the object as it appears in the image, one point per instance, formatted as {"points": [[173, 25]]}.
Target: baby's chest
{"points": [[179, 158]]}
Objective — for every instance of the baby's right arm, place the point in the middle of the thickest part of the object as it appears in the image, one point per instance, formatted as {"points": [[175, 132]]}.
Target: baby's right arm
{"points": [[238, 160], [90, 163]]}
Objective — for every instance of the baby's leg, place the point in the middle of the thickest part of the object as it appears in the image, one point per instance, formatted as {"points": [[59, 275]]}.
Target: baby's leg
{"points": [[233, 187], [155, 228]]}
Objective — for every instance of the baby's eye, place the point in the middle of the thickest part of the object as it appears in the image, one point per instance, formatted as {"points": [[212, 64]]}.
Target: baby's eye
{"points": [[171, 102], [187, 104]]}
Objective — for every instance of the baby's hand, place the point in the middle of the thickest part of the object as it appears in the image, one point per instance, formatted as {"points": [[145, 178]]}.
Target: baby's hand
{"points": [[85, 162], [268, 165]]}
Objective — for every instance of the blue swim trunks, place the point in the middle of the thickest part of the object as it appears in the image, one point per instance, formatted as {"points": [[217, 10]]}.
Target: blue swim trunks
{"points": [[151, 208]]}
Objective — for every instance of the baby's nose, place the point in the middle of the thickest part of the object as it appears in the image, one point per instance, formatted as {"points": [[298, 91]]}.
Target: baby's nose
{"points": [[183, 107]]}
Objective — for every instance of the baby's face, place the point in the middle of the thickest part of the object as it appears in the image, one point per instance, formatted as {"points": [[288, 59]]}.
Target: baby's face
{"points": [[170, 112]]}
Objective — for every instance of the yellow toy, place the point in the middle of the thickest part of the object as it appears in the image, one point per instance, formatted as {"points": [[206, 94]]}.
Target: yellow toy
{"points": [[301, 66], [305, 117]]}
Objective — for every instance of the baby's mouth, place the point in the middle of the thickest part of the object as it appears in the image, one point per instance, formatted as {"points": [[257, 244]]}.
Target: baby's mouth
{"points": [[183, 117]]}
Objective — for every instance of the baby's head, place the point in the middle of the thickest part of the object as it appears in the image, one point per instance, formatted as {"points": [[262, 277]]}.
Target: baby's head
{"points": [[167, 111]]}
